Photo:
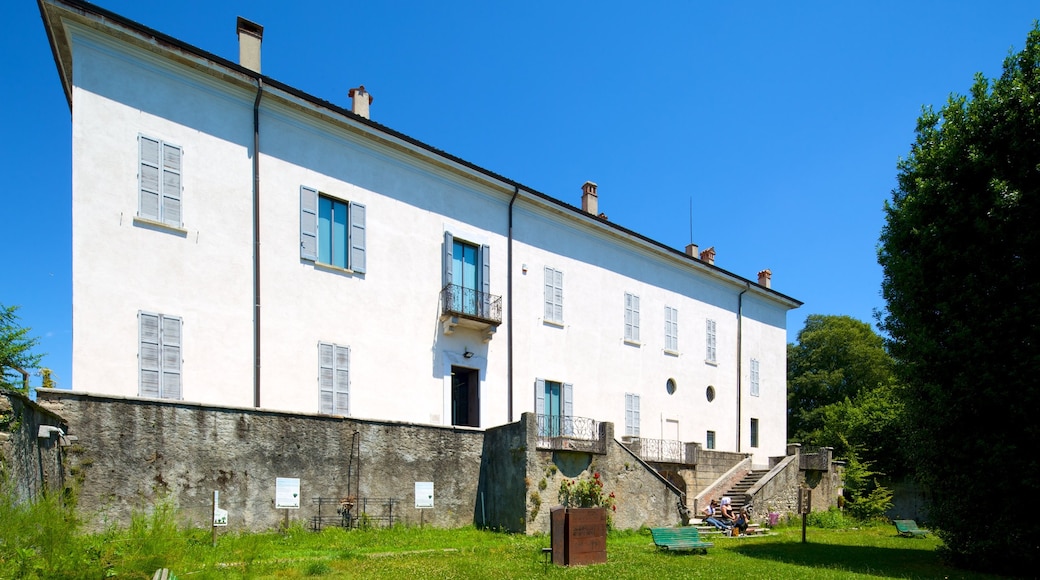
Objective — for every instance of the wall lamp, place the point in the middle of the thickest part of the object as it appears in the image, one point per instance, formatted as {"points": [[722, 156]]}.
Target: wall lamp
{"points": [[467, 354]]}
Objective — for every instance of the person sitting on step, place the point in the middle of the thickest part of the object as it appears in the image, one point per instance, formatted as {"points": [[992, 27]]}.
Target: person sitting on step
{"points": [[710, 511]]}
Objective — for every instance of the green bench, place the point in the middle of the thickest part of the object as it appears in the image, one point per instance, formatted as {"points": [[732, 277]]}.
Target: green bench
{"points": [[909, 529], [679, 539]]}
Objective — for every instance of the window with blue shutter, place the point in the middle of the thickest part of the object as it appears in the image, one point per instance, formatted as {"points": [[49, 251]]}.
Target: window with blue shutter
{"points": [[332, 231], [467, 270], [334, 379], [553, 295], [631, 415], [631, 317], [754, 378], [709, 341], [159, 181], [671, 329], [159, 356]]}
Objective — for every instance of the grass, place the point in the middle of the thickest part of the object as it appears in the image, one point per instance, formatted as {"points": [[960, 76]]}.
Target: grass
{"points": [[870, 552], [39, 540]]}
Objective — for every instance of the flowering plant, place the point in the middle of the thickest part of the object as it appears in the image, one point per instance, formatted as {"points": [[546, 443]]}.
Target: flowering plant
{"points": [[586, 493]]}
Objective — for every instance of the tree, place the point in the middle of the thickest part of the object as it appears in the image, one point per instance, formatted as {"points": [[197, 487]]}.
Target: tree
{"points": [[15, 350], [959, 251], [842, 391]]}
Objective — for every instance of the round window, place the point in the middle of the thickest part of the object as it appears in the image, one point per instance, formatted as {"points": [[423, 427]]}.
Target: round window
{"points": [[670, 386], [710, 393]]}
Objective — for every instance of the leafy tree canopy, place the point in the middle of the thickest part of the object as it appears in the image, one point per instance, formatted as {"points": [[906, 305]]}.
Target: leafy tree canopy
{"points": [[15, 349], [959, 251]]}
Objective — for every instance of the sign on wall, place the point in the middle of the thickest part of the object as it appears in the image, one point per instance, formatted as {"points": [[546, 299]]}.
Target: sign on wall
{"points": [[423, 494], [287, 493]]}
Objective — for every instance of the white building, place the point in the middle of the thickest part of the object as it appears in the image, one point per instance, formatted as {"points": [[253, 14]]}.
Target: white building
{"points": [[238, 242]]}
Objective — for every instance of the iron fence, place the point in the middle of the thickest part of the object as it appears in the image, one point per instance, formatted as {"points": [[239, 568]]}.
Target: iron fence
{"points": [[471, 303], [569, 433], [660, 450]]}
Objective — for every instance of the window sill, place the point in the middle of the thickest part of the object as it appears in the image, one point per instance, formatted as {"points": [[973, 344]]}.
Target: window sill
{"points": [[634, 343], [331, 268], [711, 363], [159, 226], [670, 352], [553, 323]]}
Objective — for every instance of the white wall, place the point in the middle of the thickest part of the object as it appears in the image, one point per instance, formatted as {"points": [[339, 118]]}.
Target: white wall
{"points": [[388, 315]]}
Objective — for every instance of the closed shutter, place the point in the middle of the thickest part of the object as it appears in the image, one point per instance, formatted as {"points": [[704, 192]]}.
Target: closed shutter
{"points": [[357, 237], [539, 397], [710, 340], [171, 186], [148, 355], [568, 409], [171, 357], [449, 243], [308, 223], [326, 376], [548, 294], [754, 378], [341, 396], [149, 178], [631, 317], [553, 294], [671, 325], [485, 280]]}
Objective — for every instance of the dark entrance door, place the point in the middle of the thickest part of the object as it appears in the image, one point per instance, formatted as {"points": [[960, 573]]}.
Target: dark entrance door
{"points": [[465, 397]]}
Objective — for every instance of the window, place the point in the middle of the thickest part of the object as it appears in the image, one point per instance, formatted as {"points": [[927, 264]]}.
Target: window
{"points": [[709, 355], [670, 386], [334, 378], [710, 443], [631, 318], [467, 273], [754, 432], [159, 355], [159, 181], [671, 329], [709, 393], [332, 231], [754, 377], [554, 407], [553, 295], [631, 415]]}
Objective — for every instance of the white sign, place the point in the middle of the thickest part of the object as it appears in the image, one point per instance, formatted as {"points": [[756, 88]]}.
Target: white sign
{"points": [[219, 517], [287, 493], [423, 494]]}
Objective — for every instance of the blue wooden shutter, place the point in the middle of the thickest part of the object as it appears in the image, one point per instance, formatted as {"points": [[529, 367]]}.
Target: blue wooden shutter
{"points": [[326, 376], [357, 238], [568, 409], [171, 185], [148, 356], [754, 378], [629, 419], [635, 318], [341, 394], [149, 186], [485, 279], [171, 357], [449, 243], [308, 223], [558, 296], [541, 422]]}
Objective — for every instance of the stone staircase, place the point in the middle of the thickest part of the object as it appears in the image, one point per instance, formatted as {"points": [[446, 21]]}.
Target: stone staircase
{"points": [[738, 493]]}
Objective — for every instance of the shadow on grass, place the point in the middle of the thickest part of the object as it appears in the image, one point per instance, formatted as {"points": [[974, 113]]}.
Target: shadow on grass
{"points": [[877, 561]]}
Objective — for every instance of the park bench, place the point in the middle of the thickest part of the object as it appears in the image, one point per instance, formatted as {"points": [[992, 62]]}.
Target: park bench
{"points": [[909, 528], [679, 539]]}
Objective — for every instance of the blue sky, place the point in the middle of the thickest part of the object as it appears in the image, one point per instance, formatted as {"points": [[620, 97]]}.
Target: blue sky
{"points": [[780, 122]]}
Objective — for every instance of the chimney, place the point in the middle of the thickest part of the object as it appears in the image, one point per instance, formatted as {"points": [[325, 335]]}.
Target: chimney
{"points": [[249, 36], [764, 278], [359, 101], [691, 250], [589, 199], [708, 255]]}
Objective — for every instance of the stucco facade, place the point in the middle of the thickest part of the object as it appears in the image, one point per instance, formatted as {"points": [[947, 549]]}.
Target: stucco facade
{"points": [[249, 312]]}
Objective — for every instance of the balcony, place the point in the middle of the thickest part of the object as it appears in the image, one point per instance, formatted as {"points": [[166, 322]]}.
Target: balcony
{"points": [[567, 433], [469, 308], [662, 450]]}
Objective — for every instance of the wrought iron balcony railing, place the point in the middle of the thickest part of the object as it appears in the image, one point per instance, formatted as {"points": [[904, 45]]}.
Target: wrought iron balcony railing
{"points": [[660, 450], [569, 433], [473, 304]]}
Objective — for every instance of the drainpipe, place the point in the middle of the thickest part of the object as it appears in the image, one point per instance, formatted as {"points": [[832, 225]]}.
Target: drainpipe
{"points": [[509, 311], [256, 242], [740, 358]]}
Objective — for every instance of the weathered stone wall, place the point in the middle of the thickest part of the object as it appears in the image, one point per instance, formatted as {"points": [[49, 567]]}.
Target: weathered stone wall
{"points": [[503, 469], [641, 497], [777, 492], [32, 463], [130, 452]]}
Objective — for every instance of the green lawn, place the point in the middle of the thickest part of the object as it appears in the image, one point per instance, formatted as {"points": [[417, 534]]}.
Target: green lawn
{"points": [[412, 553]]}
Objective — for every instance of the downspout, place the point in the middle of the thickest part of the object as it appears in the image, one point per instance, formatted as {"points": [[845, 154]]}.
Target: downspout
{"points": [[256, 242], [740, 358], [509, 311]]}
